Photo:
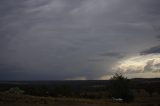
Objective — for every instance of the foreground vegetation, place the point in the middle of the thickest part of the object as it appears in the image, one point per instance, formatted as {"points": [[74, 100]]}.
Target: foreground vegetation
{"points": [[82, 93], [7, 99]]}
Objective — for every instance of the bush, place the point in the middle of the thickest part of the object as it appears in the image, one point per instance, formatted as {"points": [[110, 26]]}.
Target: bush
{"points": [[120, 88], [15, 91]]}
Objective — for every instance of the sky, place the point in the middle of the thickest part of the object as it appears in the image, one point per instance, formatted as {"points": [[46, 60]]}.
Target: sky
{"points": [[79, 39]]}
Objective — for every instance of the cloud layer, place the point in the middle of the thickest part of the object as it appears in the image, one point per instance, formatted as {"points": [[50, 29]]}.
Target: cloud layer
{"points": [[66, 39]]}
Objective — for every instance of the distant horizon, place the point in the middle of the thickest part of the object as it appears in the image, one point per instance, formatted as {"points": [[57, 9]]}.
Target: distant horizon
{"points": [[69, 80]]}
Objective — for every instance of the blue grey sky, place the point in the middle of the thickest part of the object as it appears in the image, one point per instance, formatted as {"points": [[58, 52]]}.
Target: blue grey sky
{"points": [[79, 39]]}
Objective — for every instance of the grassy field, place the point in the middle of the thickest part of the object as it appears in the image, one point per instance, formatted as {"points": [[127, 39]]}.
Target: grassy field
{"points": [[25, 100]]}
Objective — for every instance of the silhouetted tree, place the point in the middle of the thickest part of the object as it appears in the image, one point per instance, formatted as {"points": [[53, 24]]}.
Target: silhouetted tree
{"points": [[120, 88]]}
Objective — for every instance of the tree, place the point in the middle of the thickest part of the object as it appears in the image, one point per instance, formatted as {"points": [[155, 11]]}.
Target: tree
{"points": [[120, 88]]}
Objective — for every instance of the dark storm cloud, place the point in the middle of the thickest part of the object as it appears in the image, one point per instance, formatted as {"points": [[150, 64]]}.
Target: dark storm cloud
{"points": [[113, 54], [96, 60], [153, 50], [58, 39]]}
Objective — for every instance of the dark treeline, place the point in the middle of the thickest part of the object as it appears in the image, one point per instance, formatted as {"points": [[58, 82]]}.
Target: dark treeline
{"points": [[57, 88], [85, 89]]}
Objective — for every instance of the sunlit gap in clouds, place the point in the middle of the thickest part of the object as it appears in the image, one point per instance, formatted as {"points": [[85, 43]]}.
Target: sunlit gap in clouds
{"points": [[139, 66], [146, 66]]}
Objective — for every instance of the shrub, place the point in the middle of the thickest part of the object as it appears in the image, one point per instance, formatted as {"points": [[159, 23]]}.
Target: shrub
{"points": [[120, 88], [15, 91]]}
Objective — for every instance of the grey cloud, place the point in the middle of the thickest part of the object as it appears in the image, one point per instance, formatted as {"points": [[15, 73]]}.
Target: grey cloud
{"points": [[58, 39], [113, 54], [96, 60], [148, 66], [153, 50], [158, 36], [152, 67], [158, 67]]}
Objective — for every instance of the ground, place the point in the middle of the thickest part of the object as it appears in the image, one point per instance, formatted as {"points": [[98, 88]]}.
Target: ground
{"points": [[26, 100]]}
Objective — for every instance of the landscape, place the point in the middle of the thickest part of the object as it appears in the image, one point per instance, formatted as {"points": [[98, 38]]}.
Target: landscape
{"points": [[79, 52], [77, 93]]}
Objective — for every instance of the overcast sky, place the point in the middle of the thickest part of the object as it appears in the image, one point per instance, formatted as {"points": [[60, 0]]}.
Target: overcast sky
{"points": [[79, 39]]}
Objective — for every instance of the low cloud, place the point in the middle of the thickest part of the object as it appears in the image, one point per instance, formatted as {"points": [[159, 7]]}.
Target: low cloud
{"points": [[77, 78], [106, 77], [152, 66], [139, 64], [153, 50]]}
